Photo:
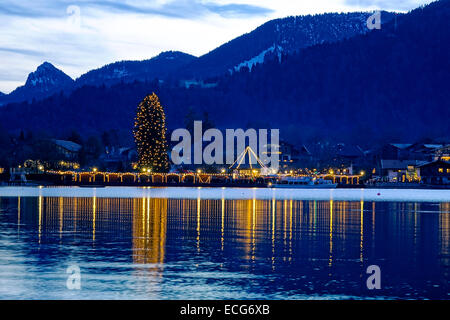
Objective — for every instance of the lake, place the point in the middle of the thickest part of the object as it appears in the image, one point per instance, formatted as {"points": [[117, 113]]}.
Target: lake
{"points": [[222, 243]]}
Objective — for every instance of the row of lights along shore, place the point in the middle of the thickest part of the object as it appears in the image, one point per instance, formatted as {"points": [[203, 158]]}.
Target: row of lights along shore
{"points": [[223, 171]]}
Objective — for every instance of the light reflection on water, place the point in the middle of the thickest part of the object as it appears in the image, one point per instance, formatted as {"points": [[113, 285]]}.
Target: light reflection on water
{"points": [[156, 248]]}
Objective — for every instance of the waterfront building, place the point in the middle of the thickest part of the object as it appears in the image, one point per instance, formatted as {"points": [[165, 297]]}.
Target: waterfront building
{"points": [[436, 172], [69, 149], [400, 170]]}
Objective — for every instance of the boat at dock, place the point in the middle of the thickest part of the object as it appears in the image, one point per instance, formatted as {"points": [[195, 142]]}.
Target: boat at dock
{"points": [[303, 183]]}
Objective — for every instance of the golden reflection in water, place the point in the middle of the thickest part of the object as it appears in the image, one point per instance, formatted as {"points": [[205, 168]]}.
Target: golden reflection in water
{"points": [[444, 233], [284, 221], [18, 216], [94, 208], [361, 243], [330, 263], [40, 219], [222, 229], [373, 225], [198, 223], [242, 225], [290, 230], [57, 215], [416, 225], [149, 230], [61, 215], [273, 232], [75, 209], [253, 228], [373, 219], [315, 217]]}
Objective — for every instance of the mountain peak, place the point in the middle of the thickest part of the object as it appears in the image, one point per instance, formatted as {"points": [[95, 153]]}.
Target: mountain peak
{"points": [[170, 55], [46, 66], [47, 76], [45, 81], [159, 67]]}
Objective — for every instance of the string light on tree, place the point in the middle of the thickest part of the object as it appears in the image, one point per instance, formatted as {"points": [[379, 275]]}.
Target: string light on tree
{"points": [[150, 135]]}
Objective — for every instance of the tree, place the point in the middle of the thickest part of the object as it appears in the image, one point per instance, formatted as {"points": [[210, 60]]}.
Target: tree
{"points": [[75, 137], [94, 146], [110, 138], [150, 135]]}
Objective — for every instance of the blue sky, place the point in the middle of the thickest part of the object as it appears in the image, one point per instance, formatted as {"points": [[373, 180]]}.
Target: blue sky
{"points": [[79, 35]]}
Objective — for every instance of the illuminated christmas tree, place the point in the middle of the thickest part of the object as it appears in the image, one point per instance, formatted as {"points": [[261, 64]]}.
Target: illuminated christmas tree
{"points": [[150, 135]]}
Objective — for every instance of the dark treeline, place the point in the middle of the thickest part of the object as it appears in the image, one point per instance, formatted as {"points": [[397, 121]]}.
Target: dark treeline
{"points": [[39, 145]]}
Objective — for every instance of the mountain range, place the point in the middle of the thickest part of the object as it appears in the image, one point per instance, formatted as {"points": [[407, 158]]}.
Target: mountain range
{"points": [[277, 37], [272, 39], [388, 84]]}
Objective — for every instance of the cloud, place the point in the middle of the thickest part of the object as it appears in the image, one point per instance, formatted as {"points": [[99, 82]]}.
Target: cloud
{"points": [[397, 5], [29, 9], [239, 10], [25, 52], [184, 9]]}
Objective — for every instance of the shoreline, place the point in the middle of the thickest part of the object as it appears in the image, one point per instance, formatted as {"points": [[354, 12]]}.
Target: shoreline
{"points": [[230, 193], [391, 186]]}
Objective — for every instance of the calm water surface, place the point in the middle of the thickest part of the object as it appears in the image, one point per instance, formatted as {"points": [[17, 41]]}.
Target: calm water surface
{"points": [[185, 248]]}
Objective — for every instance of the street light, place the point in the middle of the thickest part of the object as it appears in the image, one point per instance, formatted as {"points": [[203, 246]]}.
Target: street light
{"points": [[362, 173], [94, 169], [199, 171]]}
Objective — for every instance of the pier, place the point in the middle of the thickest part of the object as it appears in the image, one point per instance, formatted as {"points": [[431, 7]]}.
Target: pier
{"points": [[188, 178]]}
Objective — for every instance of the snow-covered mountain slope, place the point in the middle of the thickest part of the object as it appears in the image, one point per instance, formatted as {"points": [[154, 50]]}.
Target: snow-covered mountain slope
{"points": [[286, 35], [43, 82], [158, 67], [260, 58]]}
